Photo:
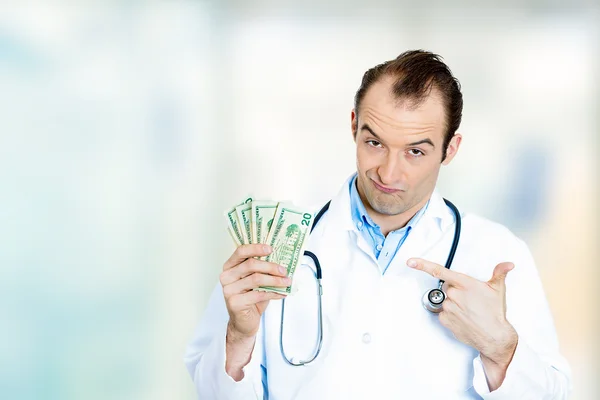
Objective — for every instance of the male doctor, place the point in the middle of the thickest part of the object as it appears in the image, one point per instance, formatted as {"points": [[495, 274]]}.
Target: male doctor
{"points": [[382, 244]]}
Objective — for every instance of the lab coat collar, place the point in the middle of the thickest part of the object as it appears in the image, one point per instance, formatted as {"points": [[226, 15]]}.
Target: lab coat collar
{"points": [[439, 211], [340, 210]]}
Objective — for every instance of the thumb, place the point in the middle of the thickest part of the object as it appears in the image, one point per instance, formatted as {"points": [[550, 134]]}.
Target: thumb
{"points": [[500, 273]]}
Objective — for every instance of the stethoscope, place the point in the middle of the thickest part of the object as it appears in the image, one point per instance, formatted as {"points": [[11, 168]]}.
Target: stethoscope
{"points": [[432, 299]]}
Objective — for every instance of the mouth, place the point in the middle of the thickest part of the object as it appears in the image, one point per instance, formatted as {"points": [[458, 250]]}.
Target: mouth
{"points": [[383, 188]]}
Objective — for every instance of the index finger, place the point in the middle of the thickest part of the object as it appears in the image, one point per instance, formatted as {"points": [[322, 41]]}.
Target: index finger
{"points": [[244, 252], [437, 271]]}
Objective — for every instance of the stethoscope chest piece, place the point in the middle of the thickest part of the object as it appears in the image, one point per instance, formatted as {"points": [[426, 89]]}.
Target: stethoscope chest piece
{"points": [[433, 299]]}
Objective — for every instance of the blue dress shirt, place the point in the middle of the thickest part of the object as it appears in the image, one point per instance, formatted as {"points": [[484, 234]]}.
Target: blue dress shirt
{"points": [[384, 248]]}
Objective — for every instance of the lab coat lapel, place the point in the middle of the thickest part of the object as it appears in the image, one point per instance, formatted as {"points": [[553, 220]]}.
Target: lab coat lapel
{"points": [[340, 215], [425, 236]]}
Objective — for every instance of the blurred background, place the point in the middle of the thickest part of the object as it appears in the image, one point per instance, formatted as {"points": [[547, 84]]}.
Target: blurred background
{"points": [[128, 127]]}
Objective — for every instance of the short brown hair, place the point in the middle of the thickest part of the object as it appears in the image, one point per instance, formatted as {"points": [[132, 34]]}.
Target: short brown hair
{"points": [[416, 73]]}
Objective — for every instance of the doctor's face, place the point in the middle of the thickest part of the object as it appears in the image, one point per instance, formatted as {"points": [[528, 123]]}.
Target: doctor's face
{"points": [[399, 149]]}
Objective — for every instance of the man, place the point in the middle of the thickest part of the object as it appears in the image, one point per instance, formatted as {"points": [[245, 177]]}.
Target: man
{"points": [[382, 244]]}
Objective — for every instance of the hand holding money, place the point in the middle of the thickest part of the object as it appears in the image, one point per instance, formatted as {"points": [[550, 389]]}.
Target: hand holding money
{"points": [[282, 226], [242, 273]]}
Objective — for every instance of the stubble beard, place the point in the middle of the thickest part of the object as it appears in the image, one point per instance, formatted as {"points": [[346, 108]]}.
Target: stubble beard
{"points": [[382, 203], [386, 204]]}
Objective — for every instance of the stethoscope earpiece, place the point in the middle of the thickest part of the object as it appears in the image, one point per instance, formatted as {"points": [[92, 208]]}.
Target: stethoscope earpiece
{"points": [[433, 299]]}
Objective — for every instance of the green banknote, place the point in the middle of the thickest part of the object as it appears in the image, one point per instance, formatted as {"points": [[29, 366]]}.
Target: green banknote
{"points": [[263, 213], [233, 224], [244, 216], [288, 236]]}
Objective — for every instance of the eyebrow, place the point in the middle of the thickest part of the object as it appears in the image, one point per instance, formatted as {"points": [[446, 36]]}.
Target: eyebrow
{"points": [[368, 129], [422, 141]]}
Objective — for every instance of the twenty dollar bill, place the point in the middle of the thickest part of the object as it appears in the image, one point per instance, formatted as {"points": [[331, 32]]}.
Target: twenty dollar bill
{"points": [[287, 237]]}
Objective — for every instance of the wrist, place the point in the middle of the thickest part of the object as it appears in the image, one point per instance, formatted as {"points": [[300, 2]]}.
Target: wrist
{"points": [[503, 348], [236, 337], [238, 351], [498, 358]]}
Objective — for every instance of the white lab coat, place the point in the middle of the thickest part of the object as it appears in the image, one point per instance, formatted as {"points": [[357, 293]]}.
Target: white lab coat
{"points": [[379, 342]]}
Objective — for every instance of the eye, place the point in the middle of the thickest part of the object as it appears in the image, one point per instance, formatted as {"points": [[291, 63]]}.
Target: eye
{"points": [[416, 153], [373, 143]]}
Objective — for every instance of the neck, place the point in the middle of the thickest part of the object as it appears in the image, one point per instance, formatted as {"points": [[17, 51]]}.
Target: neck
{"points": [[389, 223]]}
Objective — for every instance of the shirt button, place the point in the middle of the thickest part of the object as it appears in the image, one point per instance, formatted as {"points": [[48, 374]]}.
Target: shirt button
{"points": [[360, 224], [366, 338], [379, 247]]}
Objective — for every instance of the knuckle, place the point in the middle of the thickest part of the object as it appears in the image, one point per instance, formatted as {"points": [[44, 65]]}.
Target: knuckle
{"points": [[257, 250], [241, 250], [243, 268], [232, 303], [442, 314], [444, 317], [443, 320], [256, 279], [436, 272], [275, 269], [450, 293], [257, 263], [225, 265], [448, 306], [256, 296], [250, 264], [227, 291]]}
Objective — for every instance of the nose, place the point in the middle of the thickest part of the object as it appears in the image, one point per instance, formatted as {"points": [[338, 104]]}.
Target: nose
{"points": [[391, 172]]}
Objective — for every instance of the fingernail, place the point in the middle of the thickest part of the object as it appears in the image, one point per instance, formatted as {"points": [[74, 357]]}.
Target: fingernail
{"points": [[282, 270], [411, 263], [287, 280], [267, 248]]}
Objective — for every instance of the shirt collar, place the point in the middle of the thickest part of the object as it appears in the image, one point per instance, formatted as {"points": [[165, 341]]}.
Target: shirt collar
{"points": [[357, 208]]}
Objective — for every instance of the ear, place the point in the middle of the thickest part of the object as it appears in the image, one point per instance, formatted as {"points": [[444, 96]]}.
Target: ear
{"points": [[353, 123], [452, 148]]}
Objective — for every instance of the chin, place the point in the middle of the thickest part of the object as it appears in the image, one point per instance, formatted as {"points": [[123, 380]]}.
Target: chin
{"points": [[388, 207]]}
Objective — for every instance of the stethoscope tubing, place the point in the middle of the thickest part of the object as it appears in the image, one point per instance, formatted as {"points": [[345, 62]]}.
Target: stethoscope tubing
{"points": [[320, 316]]}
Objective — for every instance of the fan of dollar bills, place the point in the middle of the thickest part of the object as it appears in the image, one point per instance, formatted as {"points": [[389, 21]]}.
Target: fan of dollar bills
{"points": [[283, 226]]}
